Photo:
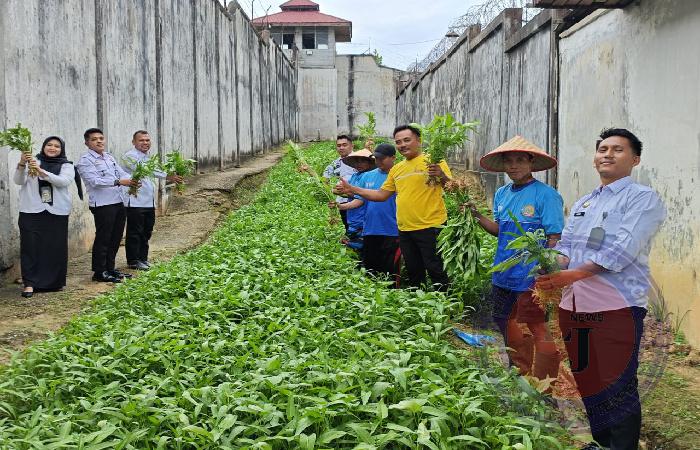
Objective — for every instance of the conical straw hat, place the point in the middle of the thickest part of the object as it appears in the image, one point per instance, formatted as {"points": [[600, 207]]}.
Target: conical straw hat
{"points": [[493, 161], [359, 155]]}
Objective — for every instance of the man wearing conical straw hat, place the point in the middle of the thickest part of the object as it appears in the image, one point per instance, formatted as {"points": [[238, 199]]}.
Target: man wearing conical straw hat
{"points": [[536, 206]]}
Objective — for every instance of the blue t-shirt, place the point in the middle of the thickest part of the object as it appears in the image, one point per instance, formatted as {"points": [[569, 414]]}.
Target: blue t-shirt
{"points": [[380, 217], [536, 206], [356, 217]]}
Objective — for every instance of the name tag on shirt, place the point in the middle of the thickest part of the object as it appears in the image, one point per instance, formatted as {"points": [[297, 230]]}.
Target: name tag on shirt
{"points": [[580, 214], [46, 194]]}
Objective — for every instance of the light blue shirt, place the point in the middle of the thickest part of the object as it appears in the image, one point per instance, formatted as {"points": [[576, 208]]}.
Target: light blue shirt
{"points": [[145, 197], [536, 206], [630, 214], [99, 172]]}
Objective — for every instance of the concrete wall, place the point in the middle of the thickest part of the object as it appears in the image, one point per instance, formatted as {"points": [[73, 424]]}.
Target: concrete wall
{"points": [[317, 97], [640, 68], [181, 69], [365, 86], [499, 76]]}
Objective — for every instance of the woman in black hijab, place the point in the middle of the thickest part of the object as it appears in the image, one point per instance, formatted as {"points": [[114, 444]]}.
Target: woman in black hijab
{"points": [[44, 205]]}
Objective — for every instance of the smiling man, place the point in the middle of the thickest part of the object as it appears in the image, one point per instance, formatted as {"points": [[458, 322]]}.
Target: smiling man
{"points": [[536, 206], [606, 244], [420, 208], [141, 208], [103, 178], [343, 145]]}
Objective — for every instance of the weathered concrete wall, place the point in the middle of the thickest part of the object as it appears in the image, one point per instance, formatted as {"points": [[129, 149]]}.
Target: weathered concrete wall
{"points": [[181, 69], [500, 77], [365, 86], [639, 68], [317, 97]]}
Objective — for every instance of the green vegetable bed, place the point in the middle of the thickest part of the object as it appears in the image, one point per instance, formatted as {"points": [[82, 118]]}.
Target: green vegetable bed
{"points": [[265, 337]]}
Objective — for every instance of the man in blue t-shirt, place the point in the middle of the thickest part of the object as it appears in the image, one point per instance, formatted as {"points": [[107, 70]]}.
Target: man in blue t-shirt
{"points": [[381, 254], [536, 206]]}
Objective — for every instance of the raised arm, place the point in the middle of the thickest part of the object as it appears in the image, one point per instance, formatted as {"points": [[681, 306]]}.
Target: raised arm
{"points": [[375, 195]]}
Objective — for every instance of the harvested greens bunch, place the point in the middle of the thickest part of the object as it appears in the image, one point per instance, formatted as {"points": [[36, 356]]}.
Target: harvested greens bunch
{"points": [[176, 164], [441, 135], [19, 138], [530, 248], [142, 169], [322, 189], [459, 242], [368, 132]]}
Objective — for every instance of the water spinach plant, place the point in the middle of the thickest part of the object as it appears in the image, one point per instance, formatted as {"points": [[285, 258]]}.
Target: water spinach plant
{"points": [[142, 170], [265, 337], [176, 164], [441, 135], [368, 131], [19, 138], [530, 249], [459, 241]]}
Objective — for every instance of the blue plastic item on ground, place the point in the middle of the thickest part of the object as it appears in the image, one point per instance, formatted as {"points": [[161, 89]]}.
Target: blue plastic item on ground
{"points": [[475, 340]]}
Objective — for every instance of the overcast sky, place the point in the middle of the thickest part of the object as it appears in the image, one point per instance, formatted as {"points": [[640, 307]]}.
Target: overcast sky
{"points": [[396, 28]]}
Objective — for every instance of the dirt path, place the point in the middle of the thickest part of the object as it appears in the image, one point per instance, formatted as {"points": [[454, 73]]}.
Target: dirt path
{"points": [[190, 219]]}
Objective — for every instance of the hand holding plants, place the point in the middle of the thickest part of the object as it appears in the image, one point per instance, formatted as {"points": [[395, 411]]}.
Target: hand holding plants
{"points": [[561, 279]]}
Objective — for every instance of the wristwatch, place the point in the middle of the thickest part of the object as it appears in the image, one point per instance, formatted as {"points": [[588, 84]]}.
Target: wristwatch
{"points": [[116, 182]]}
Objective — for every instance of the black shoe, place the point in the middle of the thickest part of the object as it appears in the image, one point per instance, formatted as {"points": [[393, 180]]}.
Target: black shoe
{"points": [[147, 264], [27, 294], [105, 277], [120, 275], [139, 265], [592, 446]]}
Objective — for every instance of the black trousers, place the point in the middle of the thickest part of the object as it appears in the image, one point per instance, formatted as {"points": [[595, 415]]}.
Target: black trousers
{"points": [[419, 250], [344, 218], [43, 243], [381, 255], [139, 228], [109, 228]]}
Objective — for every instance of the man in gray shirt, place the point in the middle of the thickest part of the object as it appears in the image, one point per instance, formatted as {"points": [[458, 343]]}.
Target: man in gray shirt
{"points": [[103, 178]]}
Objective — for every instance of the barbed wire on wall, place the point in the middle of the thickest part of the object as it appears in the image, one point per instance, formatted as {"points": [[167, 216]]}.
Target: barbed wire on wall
{"points": [[479, 14]]}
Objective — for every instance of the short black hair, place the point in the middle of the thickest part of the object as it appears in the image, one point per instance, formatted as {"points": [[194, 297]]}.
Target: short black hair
{"points": [[90, 131], [138, 133], [413, 129], [622, 132], [343, 136]]}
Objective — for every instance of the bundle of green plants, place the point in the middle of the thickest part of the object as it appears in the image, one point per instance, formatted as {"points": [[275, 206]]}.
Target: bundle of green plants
{"points": [[459, 241], [530, 248], [19, 138], [266, 337], [142, 170], [441, 135], [176, 164], [322, 187], [368, 131]]}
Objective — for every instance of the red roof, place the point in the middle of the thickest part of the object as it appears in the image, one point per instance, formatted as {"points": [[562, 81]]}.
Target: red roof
{"points": [[300, 13], [299, 3]]}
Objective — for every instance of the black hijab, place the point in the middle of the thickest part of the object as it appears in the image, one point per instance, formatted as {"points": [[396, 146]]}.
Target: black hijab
{"points": [[54, 164]]}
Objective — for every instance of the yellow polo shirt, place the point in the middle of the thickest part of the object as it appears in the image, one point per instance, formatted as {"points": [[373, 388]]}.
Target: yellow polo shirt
{"points": [[418, 206]]}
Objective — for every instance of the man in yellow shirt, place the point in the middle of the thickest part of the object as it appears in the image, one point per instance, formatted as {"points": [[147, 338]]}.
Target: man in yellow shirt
{"points": [[420, 208]]}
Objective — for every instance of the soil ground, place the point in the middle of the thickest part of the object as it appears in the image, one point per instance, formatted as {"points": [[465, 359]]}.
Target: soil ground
{"points": [[189, 220]]}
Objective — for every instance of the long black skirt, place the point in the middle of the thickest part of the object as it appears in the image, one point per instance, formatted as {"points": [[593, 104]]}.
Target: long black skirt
{"points": [[43, 239]]}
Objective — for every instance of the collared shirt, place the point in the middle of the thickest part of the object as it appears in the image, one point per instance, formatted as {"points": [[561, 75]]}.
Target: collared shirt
{"points": [[356, 216], [145, 197], [536, 205], [418, 205], [630, 214], [339, 169], [99, 172], [30, 199]]}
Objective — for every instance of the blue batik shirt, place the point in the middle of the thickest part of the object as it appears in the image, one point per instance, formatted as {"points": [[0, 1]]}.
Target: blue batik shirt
{"points": [[536, 205]]}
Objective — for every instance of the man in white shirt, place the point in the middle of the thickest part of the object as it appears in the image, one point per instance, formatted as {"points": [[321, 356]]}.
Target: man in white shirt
{"points": [[338, 168], [103, 178], [141, 209]]}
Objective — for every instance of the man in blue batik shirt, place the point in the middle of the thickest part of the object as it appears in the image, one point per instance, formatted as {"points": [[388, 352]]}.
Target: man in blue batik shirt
{"points": [[536, 206], [605, 247]]}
